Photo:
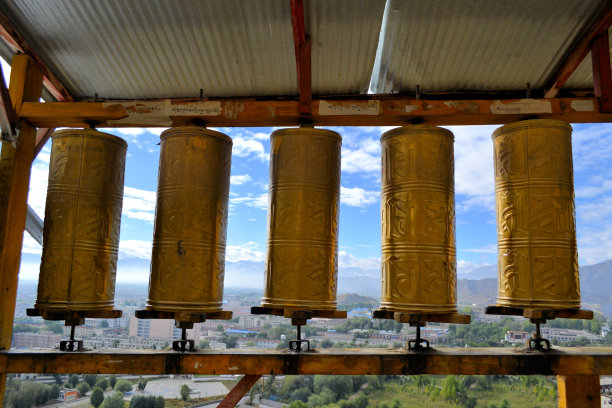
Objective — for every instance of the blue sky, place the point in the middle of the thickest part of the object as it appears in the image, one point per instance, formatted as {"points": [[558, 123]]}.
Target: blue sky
{"points": [[359, 237]]}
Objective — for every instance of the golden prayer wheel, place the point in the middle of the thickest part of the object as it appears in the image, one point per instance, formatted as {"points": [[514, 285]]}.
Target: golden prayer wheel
{"points": [[418, 264], [536, 230], [304, 195], [82, 221], [188, 259]]}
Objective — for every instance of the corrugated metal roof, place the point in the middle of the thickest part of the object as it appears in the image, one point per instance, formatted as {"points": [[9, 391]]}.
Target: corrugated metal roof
{"points": [[159, 48], [344, 37], [477, 45], [141, 49]]}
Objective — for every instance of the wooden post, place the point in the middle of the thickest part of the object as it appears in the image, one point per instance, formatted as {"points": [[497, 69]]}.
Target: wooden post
{"points": [[578, 391], [15, 165]]}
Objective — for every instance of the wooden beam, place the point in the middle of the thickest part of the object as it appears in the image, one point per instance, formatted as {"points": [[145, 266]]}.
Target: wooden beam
{"points": [[371, 111], [578, 391], [8, 118], [579, 52], [15, 165], [302, 45], [18, 43], [602, 75], [460, 361], [239, 391], [42, 136], [303, 59]]}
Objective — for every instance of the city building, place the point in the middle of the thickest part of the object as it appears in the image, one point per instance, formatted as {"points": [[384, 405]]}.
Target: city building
{"points": [[45, 339], [514, 336]]}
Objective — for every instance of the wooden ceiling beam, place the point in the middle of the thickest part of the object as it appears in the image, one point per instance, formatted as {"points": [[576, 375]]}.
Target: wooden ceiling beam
{"points": [[579, 52], [19, 45], [602, 75], [303, 59], [373, 111]]}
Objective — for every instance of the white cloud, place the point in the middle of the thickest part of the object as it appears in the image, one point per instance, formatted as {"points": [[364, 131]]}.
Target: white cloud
{"points": [[30, 245], [155, 131], [346, 260], [131, 248], [249, 148], [358, 197], [39, 178], [244, 252], [487, 249], [139, 204], [252, 200], [362, 158], [474, 176], [240, 179]]}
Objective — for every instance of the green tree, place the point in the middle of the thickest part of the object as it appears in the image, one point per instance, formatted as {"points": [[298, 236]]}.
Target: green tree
{"points": [[159, 402], [114, 401], [362, 401], [185, 391], [300, 394], [58, 379], [123, 386], [112, 380], [90, 379], [83, 388], [102, 383], [142, 383], [204, 344], [326, 343], [54, 392], [297, 404], [54, 327], [74, 380], [96, 397]]}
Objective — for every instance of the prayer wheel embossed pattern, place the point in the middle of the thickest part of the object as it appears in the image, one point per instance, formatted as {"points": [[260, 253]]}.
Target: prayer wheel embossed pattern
{"points": [[418, 264], [536, 230], [82, 221], [302, 246], [188, 259]]}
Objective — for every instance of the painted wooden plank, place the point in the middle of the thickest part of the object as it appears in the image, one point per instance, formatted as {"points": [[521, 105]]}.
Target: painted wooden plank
{"points": [[345, 112], [239, 391], [460, 361]]}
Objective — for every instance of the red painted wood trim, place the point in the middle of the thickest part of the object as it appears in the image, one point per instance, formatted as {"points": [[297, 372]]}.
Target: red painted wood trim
{"points": [[302, 57], [579, 52], [602, 76], [15, 40]]}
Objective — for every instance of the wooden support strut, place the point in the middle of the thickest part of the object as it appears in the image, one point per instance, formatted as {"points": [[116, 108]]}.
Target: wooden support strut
{"points": [[579, 52], [303, 60], [235, 395], [15, 167], [602, 76], [18, 43]]}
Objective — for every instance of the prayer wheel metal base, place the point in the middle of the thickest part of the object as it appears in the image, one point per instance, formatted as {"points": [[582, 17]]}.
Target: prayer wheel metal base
{"points": [[302, 249], [418, 221], [534, 194], [188, 259], [82, 221]]}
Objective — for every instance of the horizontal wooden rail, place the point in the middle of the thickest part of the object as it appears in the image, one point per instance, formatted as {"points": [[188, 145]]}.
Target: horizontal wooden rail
{"points": [[476, 361], [368, 111]]}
